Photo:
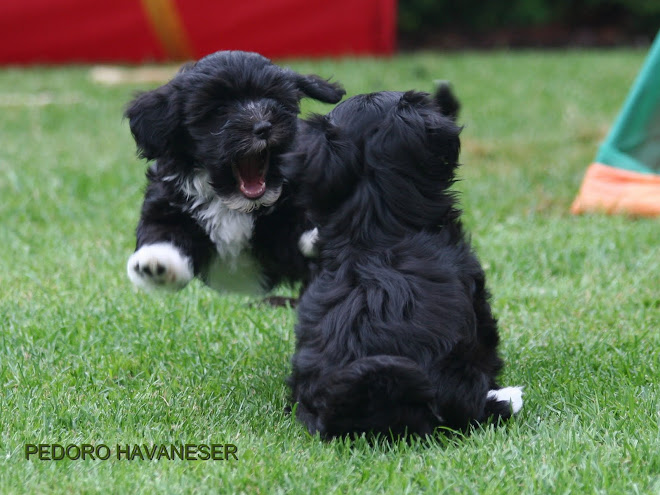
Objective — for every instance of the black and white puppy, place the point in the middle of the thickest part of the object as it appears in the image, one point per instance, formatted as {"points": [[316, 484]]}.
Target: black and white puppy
{"points": [[215, 205], [395, 333]]}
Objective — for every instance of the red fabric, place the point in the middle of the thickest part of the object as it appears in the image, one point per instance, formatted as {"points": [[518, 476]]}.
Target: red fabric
{"points": [[279, 28], [58, 31], [75, 31]]}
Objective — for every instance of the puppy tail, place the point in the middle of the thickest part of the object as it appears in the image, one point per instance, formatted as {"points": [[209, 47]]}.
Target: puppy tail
{"points": [[383, 394], [444, 97]]}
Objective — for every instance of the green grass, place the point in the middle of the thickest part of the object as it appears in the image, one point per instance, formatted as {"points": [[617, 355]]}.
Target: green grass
{"points": [[85, 359]]}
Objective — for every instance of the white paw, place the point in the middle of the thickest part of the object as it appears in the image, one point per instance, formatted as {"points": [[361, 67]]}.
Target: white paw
{"points": [[307, 243], [513, 395], [159, 266]]}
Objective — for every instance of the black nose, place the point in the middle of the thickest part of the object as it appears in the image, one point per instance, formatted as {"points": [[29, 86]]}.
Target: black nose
{"points": [[262, 129]]}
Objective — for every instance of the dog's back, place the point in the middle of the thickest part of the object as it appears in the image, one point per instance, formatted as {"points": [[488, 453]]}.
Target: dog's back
{"points": [[395, 333]]}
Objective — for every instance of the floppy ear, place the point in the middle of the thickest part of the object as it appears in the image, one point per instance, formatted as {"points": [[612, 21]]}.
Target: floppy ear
{"points": [[323, 166], [155, 120], [318, 88]]}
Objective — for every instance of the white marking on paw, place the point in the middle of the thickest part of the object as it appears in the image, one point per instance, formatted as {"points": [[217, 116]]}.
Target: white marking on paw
{"points": [[159, 266], [307, 243], [513, 395]]}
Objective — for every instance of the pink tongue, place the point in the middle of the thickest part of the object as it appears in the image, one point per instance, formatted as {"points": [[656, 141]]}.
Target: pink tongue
{"points": [[253, 190], [252, 182]]}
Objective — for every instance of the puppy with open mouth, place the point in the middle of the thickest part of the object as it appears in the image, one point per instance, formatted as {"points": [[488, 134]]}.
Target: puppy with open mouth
{"points": [[215, 205]]}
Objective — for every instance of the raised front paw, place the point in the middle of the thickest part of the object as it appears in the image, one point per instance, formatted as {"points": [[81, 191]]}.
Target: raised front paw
{"points": [[159, 266]]}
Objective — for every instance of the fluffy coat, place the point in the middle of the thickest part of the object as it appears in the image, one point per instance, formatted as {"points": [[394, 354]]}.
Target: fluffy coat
{"points": [[395, 332], [215, 205]]}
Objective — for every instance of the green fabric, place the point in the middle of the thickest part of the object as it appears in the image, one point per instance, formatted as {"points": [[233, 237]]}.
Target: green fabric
{"points": [[634, 141]]}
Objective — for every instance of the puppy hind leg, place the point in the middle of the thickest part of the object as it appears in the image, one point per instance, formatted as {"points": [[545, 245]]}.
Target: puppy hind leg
{"points": [[461, 393], [311, 421], [504, 402]]}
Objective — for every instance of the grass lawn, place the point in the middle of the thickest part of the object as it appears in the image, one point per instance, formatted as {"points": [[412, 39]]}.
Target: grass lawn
{"points": [[86, 360]]}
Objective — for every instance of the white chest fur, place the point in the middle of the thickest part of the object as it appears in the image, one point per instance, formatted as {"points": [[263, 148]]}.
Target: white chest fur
{"points": [[230, 230]]}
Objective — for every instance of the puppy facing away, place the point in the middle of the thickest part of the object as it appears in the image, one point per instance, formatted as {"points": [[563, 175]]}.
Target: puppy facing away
{"points": [[395, 333], [215, 205]]}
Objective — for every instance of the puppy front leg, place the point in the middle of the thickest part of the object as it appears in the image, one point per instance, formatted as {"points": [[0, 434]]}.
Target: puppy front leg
{"points": [[308, 243], [159, 266], [171, 247]]}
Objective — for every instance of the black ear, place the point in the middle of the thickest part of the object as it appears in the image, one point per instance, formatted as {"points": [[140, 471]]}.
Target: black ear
{"points": [[323, 165], [155, 120], [415, 133], [444, 97], [319, 88], [444, 137]]}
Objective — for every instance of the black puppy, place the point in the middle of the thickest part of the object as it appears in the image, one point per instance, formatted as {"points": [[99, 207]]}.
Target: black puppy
{"points": [[395, 332], [215, 206]]}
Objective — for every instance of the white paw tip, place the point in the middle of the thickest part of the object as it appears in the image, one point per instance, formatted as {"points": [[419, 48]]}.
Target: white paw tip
{"points": [[159, 266], [307, 243], [513, 395]]}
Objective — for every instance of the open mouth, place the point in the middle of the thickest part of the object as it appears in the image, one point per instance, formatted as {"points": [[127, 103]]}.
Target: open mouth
{"points": [[250, 172]]}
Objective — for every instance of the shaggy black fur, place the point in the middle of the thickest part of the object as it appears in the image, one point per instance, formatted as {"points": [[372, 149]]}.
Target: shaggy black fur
{"points": [[395, 332], [217, 131]]}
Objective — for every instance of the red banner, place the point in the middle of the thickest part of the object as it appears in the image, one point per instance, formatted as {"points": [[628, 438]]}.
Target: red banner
{"points": [[70, 31]]}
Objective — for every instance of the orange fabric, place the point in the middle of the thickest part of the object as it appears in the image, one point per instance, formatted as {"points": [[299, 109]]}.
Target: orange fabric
{"points": [[166, 22], [612, 190]]}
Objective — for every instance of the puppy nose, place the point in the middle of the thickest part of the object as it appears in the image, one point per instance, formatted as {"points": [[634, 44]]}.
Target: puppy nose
{"points": [[262, 129]]}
